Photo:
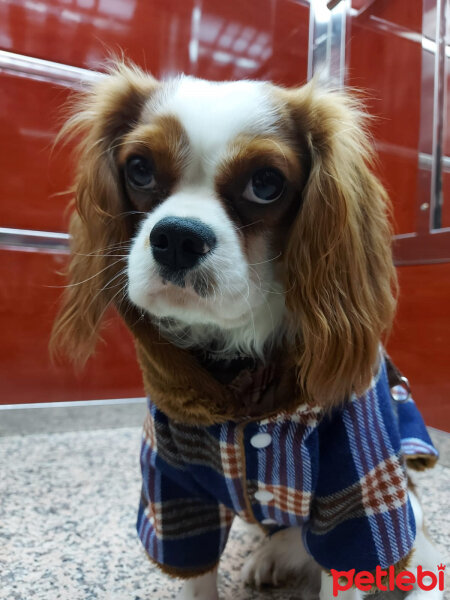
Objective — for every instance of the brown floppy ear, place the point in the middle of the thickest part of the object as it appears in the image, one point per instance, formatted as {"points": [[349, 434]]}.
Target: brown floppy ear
{"points": [[341, 282], [98, 226]]}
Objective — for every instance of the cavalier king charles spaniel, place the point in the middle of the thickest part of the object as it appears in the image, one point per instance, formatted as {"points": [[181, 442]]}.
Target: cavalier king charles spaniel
{"points": [[239, 231]]}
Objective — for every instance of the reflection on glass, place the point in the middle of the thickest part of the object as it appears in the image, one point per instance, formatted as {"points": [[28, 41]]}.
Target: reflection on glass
{"points": [[434, 147]]}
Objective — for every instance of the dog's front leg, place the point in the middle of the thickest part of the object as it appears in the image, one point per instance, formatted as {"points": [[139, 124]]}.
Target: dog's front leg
{"points": [[424, 554], [200, 588]]}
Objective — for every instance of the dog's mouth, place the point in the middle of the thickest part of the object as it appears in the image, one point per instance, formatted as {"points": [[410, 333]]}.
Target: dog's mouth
{"points": [[199, 282], [171, 294], [194, 298]]}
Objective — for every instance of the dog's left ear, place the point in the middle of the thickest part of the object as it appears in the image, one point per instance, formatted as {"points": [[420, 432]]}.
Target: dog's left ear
{"points": [[100, 118], [341, 281]]}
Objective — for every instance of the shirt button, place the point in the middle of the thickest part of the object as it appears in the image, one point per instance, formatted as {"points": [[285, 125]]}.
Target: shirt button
{"points": [[268, 522], [261, 440], [263, 496], [401, 392]]}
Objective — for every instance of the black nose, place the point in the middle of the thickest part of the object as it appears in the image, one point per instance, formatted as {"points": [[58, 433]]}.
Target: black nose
{"points": [[179, 243]]}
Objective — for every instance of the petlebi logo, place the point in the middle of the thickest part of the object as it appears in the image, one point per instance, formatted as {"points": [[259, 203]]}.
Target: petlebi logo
{"points": [[385, 580]]}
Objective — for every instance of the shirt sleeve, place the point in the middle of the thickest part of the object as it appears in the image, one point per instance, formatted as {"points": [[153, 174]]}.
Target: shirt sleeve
{"points": [[361, 516], [417, 446], [183, 531]]}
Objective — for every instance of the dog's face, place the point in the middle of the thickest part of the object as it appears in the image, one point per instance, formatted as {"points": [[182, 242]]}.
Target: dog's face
{"points": [[238, 211], [216, 175]]}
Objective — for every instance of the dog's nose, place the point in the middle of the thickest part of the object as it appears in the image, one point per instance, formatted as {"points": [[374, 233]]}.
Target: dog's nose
{"points": [[179, 243]]}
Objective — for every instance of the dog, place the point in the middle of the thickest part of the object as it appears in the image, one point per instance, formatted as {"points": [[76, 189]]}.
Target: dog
{"points": [[240, 233]]}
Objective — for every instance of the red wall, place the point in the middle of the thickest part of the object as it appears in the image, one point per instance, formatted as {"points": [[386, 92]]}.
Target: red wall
{"points": [[385, 60], [420, 339]]}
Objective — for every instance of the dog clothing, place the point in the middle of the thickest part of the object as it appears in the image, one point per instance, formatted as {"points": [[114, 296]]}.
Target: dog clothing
{"points": [[340, 475]]}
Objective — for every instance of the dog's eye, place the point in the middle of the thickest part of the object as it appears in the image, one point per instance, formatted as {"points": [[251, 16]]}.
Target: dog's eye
{"points": [[265, 186], [139, 172]]}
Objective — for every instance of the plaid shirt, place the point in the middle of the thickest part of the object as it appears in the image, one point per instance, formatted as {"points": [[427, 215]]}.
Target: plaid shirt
{"points": [[341, 477]]}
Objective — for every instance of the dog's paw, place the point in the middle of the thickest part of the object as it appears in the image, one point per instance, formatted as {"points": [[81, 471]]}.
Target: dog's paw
{"points": [[187, 593], [200, 588], [281, 558]]}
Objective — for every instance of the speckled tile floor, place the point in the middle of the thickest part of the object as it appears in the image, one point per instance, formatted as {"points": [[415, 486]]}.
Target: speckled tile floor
{"points": [[67, 514]]}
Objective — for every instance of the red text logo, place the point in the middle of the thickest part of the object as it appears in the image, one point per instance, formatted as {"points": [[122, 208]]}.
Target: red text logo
{"points": [[403, 580]]}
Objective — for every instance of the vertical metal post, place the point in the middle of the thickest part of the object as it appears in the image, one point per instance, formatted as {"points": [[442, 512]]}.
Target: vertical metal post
{"points": [[432, 115], [438, 116], [327, 42]]}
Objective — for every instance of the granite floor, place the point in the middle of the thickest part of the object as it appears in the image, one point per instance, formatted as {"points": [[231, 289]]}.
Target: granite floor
{"points": [[67, 513]]}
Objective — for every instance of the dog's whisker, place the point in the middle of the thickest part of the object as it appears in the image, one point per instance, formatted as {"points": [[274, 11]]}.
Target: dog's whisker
{"points": [[266, 291], [266, 261], [132, 212], [249, 225], [78, 283], [126, 245], [107, 285], [111, 301]]}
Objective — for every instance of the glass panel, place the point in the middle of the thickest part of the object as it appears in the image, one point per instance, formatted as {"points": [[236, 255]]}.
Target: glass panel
{"points": [[326, 59], [433, 136], [434, 34], [32, 176], [446, 127], [231, 41], [208, 38], [30, 294], [384, 59]]}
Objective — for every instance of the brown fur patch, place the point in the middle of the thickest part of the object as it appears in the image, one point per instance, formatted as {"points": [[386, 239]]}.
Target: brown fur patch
{"points": [[245, 156], [182, 573], [186, 391], [164, 142], [421, 462]]}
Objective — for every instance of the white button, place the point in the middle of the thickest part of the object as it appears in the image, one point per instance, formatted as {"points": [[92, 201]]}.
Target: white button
{"points": [[269, 522], [261, 440], [400, 393], [263, 496]]}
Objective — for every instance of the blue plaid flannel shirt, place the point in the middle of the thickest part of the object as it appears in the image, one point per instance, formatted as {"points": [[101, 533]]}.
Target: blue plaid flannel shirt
{"points": [[341, 477]]}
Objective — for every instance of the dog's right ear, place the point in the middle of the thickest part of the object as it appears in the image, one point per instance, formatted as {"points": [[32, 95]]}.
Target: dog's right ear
{"points": [[340, 278], [99, 119]]}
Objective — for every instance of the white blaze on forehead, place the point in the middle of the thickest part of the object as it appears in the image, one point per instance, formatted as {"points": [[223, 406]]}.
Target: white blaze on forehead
{"points": [[213, 114]]}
